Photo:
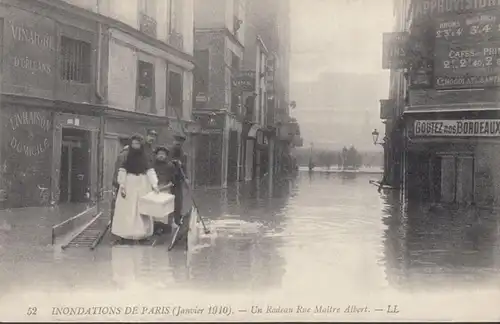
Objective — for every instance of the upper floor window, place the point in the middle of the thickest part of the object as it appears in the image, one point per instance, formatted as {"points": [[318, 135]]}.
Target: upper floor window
{"points": [[145, 79], [235, 94], [148, 7], [1, 40], [175, 89], [147, 17], [175, 11], [202, 70], [235, 63], [75, 60], [236, 16]]}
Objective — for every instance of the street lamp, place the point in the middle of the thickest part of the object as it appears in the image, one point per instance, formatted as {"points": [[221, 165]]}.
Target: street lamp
{"points": [[375, 135]]}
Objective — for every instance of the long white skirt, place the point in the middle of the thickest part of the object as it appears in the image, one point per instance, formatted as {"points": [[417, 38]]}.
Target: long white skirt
{"points": [[127, 222]]}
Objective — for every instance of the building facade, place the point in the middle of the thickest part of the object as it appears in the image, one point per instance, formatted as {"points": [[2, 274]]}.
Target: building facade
{"points": [[219, 48], [450, 113], [270, 131], [79, 78]]}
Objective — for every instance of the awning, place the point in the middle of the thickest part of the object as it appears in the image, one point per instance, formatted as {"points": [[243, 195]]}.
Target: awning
{"points": [[252, 133]]}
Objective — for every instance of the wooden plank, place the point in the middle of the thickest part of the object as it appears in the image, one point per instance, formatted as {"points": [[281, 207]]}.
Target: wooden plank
{"points": [[56, 162]]}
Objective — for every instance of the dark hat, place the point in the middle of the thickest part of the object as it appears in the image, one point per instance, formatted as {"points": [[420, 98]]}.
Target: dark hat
{"points": [[179, 137], [162, 148], [152, 132], [137, 137]]}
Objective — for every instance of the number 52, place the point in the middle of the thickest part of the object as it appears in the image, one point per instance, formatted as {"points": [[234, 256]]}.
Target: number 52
{"points": [[31, 311]]}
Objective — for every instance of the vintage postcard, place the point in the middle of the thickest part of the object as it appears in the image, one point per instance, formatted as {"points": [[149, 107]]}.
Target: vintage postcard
{"points": [[249, 160]]}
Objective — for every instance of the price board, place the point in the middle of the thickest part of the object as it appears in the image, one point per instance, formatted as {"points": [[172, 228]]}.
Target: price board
{"points": [[468, 27], [467, 65]]}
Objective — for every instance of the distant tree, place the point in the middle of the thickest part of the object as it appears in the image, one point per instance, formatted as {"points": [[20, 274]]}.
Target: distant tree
{"points": [[345, 157], [353, 158]]}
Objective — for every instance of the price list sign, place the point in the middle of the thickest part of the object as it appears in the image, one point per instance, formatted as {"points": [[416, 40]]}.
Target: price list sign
{"points": [[469, 27], [467, 65], [467, 51]]}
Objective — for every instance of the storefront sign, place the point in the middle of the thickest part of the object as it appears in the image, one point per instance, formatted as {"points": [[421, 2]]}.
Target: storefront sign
{"points": [[210, 121], [30, 133], [26, 155], [387, 107], [475, 128], [474, 65], [473, 27], [245, 81], [394, 50], [30, 54], [430, 8]]}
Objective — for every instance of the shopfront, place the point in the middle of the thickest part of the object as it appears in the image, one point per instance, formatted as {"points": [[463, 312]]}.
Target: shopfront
{"points": [[454, 161], [119, 126], [209, 161], [49, 140]]}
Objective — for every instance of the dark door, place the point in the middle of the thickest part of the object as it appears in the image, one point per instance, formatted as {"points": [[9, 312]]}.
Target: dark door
{"points": [[64, 181], [80, 176], [215, 157], [436, 179], [232, 163], [74, 181]]}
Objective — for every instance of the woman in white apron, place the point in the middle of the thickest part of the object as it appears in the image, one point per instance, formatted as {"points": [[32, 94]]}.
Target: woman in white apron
{"points": [[136, 177]]}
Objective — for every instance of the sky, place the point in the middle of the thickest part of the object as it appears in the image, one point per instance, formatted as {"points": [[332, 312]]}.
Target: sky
{"points": [[338, 36]]}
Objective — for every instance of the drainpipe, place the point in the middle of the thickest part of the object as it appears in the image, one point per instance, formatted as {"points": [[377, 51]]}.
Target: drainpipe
{"points": [[99, 56]]}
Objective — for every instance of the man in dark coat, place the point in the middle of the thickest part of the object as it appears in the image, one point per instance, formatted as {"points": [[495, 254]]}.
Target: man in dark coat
{"points": [[165, 172], [151, 138], [179, 143], [178, 179]]}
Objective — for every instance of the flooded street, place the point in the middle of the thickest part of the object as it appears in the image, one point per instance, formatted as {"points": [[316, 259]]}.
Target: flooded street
{"points": [[327, 242]]}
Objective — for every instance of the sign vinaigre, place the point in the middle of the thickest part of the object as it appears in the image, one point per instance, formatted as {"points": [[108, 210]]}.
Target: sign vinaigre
{"points": [[456, 128]]}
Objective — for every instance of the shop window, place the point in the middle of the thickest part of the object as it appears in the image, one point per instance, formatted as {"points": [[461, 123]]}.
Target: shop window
{"points": [[175, 90], [457, 179], [75, 60]]}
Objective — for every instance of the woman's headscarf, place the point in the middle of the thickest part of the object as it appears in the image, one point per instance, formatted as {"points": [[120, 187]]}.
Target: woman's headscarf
{"points": [[137, 161]]}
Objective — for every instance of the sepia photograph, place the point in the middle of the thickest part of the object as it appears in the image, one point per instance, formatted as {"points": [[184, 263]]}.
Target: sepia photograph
{"points": [[249, 160]]}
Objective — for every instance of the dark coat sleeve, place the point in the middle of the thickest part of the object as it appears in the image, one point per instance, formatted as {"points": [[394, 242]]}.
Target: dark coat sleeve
{"points": [[118, 164]]}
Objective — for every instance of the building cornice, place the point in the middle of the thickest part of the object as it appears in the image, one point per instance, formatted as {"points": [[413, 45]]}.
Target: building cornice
{"points": [[116, 24], [224, 31], [139, 45]]}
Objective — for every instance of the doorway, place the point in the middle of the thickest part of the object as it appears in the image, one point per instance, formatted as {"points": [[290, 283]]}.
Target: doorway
{"points": [[209, 160], [74, 181], [232, 171], [457, 178]]}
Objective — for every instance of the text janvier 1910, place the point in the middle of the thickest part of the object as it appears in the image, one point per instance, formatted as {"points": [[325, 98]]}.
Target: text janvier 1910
{"points": [[218, 310]]}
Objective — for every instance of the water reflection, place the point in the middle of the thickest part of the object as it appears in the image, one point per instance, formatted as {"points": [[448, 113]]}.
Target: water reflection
{"points": [[241, 253], [436, 245]]}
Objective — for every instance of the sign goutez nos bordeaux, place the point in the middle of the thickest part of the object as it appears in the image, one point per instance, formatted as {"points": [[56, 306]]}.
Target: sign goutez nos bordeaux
{"points": [[423, 8], [467, 128]]}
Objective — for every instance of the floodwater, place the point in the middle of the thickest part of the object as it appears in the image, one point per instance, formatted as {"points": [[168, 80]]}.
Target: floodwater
{"points": [[316, 247]]}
